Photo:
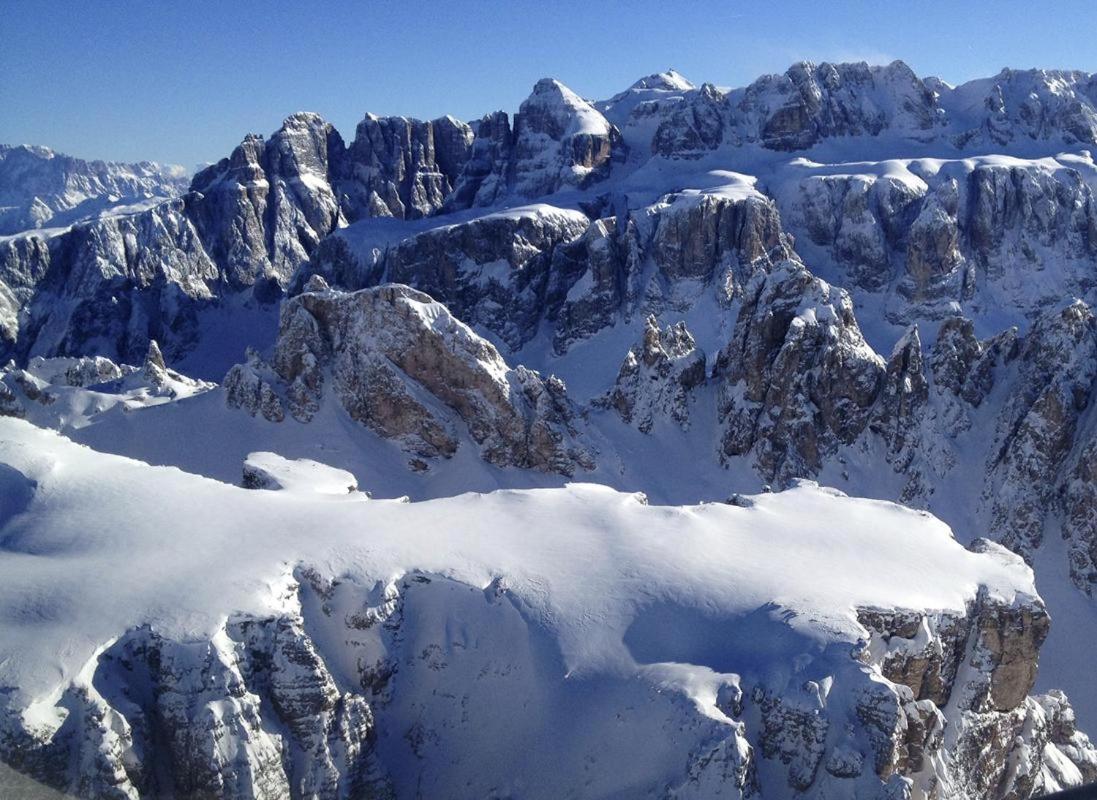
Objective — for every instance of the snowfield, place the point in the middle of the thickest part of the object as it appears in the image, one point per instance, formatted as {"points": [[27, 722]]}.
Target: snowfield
{"points": [[183, 552], [564, 630]]}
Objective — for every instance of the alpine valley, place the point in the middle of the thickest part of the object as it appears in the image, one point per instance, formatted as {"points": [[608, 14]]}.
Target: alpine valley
{"points": [[694, 442]]}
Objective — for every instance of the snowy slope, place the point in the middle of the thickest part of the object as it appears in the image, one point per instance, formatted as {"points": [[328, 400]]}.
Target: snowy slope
{"points": [[578, 665]]}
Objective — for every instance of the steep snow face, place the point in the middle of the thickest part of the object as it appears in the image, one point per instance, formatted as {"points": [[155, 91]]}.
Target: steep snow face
{"points": [[303, 633], [40, 188]]}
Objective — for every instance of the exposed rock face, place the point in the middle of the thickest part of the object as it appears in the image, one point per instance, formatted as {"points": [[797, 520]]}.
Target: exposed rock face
{"points": [[252, 713], [861, 219], [938, 700], [558, 141], [811, 103], [404, 168], [977, 234], [667, 257], [117, 282], [981, 665], [263, 210], [400, 364], [484, 180], [798, 109], [1079, 500], [40, 188], [250, 386], [904, 395], [510, 272], [657, 377], [798, 377], [114, 283], [693, 126], [795, 110], [925, 703], [1053, 384], [496, 272], [1027, 104]]}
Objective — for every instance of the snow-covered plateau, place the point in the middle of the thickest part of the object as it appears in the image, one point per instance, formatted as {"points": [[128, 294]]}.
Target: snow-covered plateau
{"points": [[696, 442]]}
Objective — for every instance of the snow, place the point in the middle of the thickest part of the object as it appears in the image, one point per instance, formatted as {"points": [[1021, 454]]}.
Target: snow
{"points": [[298, 475], [565, 105], [607, 576], [184, 551]]}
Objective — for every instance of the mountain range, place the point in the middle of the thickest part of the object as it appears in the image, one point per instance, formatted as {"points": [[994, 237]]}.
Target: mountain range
{"points": [[751, 432]]}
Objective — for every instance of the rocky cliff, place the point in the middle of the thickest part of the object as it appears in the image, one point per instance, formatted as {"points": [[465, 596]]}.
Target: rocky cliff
{"points": [[399, 363]]}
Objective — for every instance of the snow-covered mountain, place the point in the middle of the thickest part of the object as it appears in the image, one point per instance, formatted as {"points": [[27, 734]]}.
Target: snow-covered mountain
{"points": [[40, 188], [615, 373]]}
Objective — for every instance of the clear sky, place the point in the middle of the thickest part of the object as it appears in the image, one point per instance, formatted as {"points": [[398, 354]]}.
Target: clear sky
{"points": [[184, 81]]}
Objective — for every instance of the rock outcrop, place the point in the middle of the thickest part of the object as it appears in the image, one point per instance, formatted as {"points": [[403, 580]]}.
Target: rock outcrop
{"points": [[974, 235], [1051, 386], [399, 363], [798, 379], [263, 210], [1001, 742], [1033, 104], [497, 273], [800, 108], [657, 377], [558, 141], [290, 705], [811, 102], [403, 168]]}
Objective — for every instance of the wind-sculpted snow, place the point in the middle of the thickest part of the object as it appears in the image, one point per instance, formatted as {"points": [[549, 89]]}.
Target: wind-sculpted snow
{"points": [[331, 645]]}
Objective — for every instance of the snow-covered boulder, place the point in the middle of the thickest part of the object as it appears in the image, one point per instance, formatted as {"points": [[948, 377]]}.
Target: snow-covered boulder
{"points": [[271, 471]]}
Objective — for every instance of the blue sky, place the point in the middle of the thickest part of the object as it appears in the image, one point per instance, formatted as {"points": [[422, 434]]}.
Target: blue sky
{"points": [[184, 81]]}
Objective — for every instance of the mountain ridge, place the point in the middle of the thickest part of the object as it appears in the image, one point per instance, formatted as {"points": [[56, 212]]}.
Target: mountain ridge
{"points": [[681, 295]]}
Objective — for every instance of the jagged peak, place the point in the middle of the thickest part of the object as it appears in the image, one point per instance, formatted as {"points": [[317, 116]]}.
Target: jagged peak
{"points": [[310, 119], [910, 339], [569, 112], [550, 91]]}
